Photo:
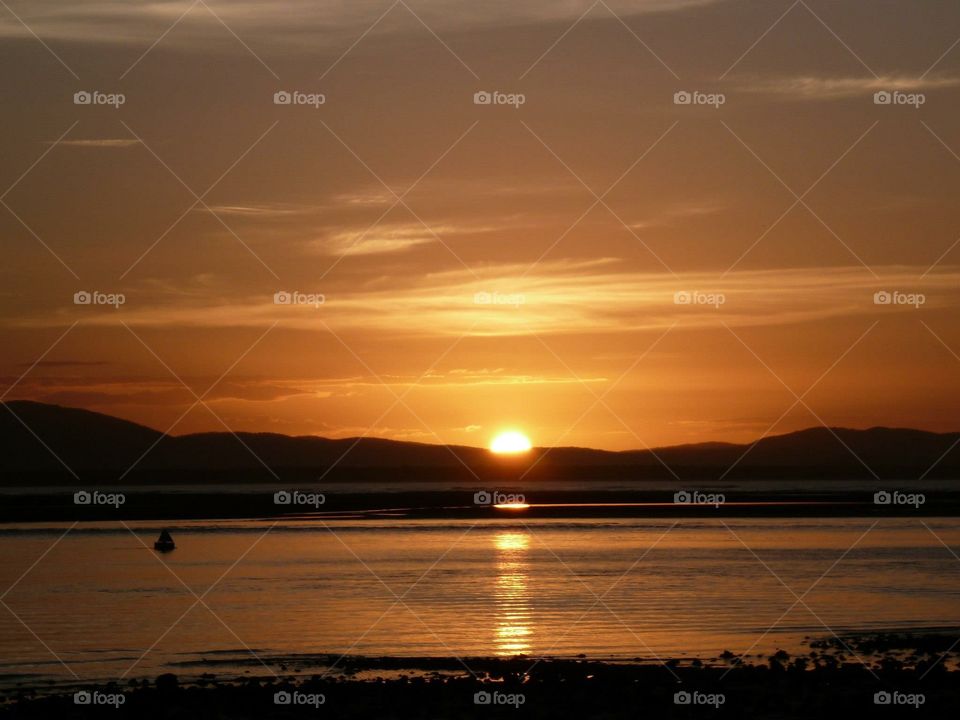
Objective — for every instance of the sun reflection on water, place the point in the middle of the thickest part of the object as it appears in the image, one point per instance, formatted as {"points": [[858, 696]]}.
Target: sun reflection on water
{"points": [[513, 631]]}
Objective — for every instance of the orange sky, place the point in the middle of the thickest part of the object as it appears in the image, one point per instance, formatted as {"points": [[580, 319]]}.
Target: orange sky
{"points": [[485, 266]]}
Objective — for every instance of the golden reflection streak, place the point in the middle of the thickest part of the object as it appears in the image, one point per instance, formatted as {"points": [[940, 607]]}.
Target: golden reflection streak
{"points": [[513, 629]]}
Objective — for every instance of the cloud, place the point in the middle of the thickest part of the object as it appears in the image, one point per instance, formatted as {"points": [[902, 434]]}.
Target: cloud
{"points": [[301, 24], [838, 88], [560, 297], [97, 143]]}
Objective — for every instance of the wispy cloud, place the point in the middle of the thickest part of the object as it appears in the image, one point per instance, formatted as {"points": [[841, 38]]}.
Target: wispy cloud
{"points": [[837, 88], [97, 143]]}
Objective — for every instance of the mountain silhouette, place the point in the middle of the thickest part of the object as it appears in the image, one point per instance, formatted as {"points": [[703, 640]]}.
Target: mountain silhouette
{"points": [[38, 439]]}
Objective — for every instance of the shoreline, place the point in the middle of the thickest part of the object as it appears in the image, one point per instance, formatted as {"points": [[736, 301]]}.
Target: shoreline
{"points": [[398, 688]]}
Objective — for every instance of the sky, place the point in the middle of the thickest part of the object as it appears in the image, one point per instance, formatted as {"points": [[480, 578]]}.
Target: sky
{"points": [[588, 258]]}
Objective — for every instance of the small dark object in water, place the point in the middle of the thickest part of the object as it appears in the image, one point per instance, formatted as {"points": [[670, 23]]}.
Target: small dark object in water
{"points": [[164, 543]]}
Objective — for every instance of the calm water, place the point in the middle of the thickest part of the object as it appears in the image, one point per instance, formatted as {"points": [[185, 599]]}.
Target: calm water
{"points": [[107, 607]]}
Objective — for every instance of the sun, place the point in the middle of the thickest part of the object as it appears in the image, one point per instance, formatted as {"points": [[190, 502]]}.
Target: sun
{"points": [[510, 441]]}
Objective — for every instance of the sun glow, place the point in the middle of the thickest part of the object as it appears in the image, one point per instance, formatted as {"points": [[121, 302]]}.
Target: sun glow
{"points": [[510, 441]]}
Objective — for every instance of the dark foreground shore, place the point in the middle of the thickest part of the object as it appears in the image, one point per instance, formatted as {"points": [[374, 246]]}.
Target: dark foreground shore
{"points": [[782, 688]]}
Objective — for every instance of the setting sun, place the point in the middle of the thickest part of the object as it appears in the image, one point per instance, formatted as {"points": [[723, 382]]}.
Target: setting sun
{"points": [[510, 441]]}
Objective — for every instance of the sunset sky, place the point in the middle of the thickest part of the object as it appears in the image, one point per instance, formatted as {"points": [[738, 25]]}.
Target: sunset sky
{"points": [[583, 215]]}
